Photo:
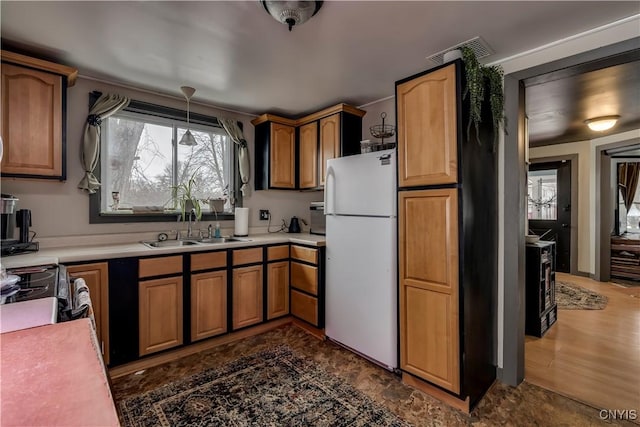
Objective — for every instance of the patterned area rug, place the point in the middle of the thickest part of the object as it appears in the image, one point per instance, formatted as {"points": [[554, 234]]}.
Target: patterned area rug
{"points": [[274, 387], [570, 296]]}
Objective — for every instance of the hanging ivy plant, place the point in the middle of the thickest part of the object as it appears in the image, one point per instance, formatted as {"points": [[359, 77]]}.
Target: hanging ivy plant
{"points": [[476, 76]]}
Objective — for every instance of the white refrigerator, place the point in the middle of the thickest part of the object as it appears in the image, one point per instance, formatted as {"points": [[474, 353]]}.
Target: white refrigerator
{"points": [[361, 265]]}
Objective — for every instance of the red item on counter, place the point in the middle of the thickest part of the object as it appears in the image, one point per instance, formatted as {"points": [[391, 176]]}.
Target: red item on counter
{"points": [[54, 375]]}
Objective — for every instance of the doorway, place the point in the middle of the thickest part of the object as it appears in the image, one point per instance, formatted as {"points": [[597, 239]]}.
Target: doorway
{"points": [[513, 204], [549, 207]]}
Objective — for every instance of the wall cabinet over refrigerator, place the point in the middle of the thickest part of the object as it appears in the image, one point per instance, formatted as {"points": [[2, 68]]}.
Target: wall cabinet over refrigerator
{"points": [[33, 119], [292, 154], [447, 238]]}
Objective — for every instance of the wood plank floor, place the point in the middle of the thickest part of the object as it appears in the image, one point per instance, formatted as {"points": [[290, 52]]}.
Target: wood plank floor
{"points": [[592, 356]]}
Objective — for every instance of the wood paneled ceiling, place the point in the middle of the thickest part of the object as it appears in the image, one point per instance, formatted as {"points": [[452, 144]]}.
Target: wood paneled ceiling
{"points": [[558, 103]]}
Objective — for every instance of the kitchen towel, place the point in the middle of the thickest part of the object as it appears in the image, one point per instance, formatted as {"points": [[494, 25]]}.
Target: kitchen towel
{"points": [[242, 222]]}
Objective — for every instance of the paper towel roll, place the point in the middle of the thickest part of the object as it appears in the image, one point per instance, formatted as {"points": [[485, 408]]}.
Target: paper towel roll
{"points": [[242, 222]]}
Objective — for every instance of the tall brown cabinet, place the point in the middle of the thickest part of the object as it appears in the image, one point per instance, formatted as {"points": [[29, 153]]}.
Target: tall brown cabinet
{"points": [[447, 240]]}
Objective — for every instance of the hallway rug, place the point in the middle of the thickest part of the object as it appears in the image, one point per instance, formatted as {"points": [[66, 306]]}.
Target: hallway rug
{"points": [[273, 387], [570, 296]]}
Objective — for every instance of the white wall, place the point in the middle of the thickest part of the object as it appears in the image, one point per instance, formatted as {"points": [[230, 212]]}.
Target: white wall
{"points": [[374, 109], [61, 209]]}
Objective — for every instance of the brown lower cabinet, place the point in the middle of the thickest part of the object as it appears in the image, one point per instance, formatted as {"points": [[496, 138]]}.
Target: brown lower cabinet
{"points": [[304, 307], [160, 314], [208, 304], [277, 289], [217, 293], [428, 250], [247, 296], [96, 275], [307, 293]]}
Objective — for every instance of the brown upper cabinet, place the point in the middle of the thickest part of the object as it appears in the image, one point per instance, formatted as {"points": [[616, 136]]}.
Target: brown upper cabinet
{"points": [[33, 119], [333, 132], [308, 166], [283, 156], [329, 142], [427, 142]]}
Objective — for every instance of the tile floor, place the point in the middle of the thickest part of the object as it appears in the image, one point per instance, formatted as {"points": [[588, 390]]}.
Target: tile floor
{"points": [[525, 405]]}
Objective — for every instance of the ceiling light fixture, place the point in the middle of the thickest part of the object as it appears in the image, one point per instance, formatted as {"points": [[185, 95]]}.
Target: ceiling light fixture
{"points": [[187, 138], [600, 124], [291, 12]]}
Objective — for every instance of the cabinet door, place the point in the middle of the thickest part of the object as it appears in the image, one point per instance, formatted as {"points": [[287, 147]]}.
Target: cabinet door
{"points": [[427, 129], [160, 314], [247, 296], [428, 258], [304, 307], [31, 122], [308, 164], [277, 289], [96, 276], [208, 304], [283, 156], [329, 142]]}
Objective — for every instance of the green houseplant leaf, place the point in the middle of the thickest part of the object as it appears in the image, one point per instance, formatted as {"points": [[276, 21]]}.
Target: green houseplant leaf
{"points": [[184, 194], [477, 76]]}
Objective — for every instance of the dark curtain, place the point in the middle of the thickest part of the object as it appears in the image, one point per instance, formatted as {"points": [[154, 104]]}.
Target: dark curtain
{"points": [[628, 181]]}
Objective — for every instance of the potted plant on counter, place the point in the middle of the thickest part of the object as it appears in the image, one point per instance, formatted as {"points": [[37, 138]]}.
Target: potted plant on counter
{"points": [[184, 194]]}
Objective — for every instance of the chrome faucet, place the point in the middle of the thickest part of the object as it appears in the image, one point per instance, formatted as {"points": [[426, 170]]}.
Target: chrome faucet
{"points": [[189, 226]]}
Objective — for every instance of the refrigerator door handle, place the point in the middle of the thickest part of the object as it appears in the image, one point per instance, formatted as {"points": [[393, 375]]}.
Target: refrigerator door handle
{"points": [[329, 195]]}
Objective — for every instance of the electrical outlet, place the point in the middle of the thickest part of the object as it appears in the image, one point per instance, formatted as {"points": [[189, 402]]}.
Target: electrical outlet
{"points": [[264, 214]]}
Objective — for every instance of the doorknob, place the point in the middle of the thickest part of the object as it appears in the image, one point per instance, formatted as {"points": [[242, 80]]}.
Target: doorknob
{"points": [[565, 225]]}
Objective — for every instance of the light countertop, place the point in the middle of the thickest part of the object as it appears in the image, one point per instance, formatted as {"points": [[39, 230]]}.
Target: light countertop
{"points": [[136, 249]]}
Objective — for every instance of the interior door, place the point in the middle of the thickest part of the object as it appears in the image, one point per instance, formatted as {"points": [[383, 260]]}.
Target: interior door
{"points": [[549, 207]]}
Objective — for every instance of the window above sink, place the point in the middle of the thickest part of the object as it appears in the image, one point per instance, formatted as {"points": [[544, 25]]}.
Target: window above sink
{"points": [[141, 163]]}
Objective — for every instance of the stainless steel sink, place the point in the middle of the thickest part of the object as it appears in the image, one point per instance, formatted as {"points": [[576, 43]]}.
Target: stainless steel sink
{"points": [[168, 243], [213, 240]]}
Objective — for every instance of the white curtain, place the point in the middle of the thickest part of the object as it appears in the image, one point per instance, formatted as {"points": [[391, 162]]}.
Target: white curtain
{"points": [[236, 135], [105, 106]]}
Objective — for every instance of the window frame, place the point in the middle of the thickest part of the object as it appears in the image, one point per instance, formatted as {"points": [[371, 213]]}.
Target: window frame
{"points": [[154, 110]]}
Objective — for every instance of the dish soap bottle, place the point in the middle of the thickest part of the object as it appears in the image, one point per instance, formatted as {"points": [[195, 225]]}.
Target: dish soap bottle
{"points": [[217, 231]]}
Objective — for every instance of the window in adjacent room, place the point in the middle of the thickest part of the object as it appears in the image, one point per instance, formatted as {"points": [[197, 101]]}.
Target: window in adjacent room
{"points": [[542, 197]]}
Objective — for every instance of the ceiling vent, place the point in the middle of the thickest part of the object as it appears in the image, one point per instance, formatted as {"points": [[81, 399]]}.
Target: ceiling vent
{"points": [[477, 44]]}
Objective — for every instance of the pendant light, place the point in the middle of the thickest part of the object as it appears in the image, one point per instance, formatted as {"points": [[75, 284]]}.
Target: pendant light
{"points": [[187, 138], [291, 12]]}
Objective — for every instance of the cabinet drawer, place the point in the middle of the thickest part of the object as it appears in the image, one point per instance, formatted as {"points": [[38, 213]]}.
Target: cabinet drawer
{"points": [[304, 277], [208, 260], [304, 254], [150, 267], [247, 256], [277, 252], [304, 306]]}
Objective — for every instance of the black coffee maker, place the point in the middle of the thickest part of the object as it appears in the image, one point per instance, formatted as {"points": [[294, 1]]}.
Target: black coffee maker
{"points": [[23, 221], [10, 218]]}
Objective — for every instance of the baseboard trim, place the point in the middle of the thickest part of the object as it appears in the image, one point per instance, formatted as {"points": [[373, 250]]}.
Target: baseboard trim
{"points": [[433, 391], [316, 332], [148, 362]]}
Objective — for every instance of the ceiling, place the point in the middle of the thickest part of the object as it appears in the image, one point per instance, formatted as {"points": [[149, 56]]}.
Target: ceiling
{"points": [[558, 103], [239, 58]]}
